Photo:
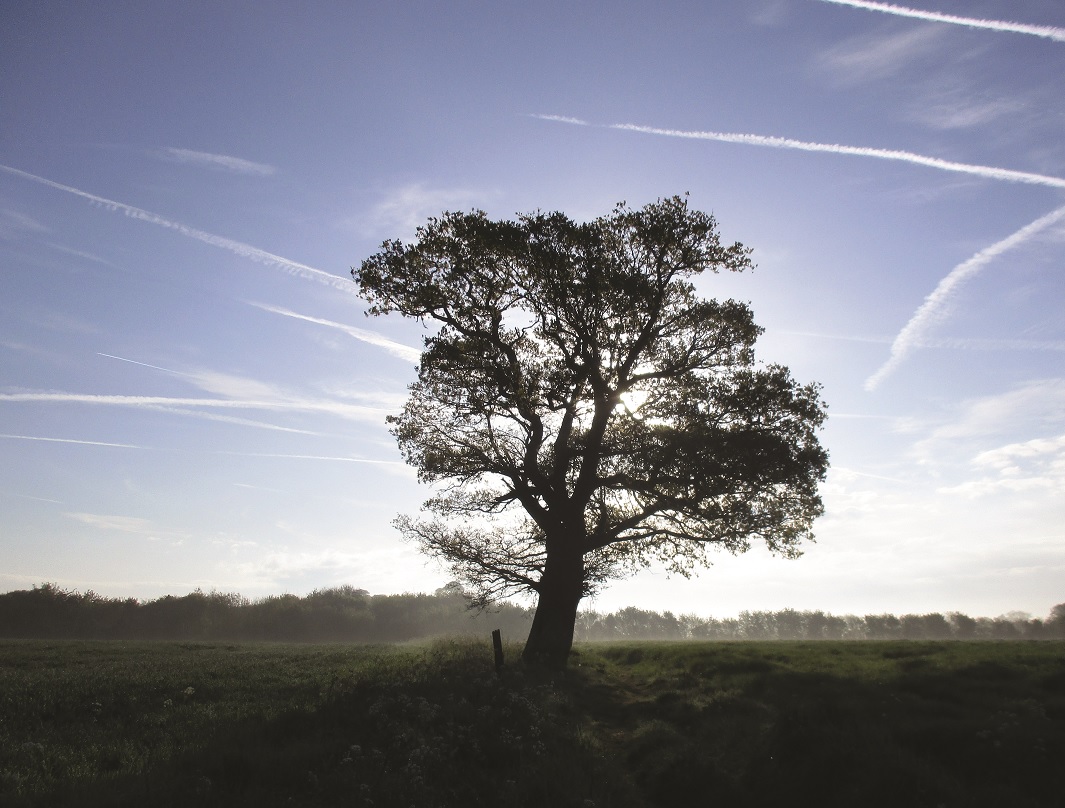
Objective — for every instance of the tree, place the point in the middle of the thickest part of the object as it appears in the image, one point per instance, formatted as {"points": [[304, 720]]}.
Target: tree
{"points": [[583, 412]]}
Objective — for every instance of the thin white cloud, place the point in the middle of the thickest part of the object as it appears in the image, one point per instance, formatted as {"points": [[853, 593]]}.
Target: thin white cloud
{"points": [[957, 112], [1032, 466], [237, 247], [81, 254], [71, 440], [931, 311], [1035, 406], [124, 524], [1006, 457], [772, 13], [988, 172], [29, 496], [224, 162], [404, 352], [239, 388], [1046, 31]]}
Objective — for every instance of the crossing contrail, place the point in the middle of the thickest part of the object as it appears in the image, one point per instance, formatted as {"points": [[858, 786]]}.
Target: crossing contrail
{"points": [[1046, 31], [913, 333], [238, 247], [372, 337]]}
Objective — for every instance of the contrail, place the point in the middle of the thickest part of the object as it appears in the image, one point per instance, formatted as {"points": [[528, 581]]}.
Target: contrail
{"points": [[1047, 31], [396, 463], [142, 364], [561, 119], [371, 337], [989, 172], [912, 334], [238, 247], [342, 410], [71, 440], [230, 419], [959, 343]]}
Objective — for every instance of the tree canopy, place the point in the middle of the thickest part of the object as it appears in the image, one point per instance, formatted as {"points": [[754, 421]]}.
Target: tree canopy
{"points": [[582, 412]]}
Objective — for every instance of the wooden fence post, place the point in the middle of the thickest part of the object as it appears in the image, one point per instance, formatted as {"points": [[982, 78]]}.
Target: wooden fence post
{"points": [[497, 644]]}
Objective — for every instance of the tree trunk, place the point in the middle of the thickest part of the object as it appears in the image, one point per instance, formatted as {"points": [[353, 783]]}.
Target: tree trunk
{"points": [[561, 589]]}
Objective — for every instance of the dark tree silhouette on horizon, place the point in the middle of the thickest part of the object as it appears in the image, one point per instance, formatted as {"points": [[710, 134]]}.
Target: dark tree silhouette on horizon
{"points": [[582, 412]]}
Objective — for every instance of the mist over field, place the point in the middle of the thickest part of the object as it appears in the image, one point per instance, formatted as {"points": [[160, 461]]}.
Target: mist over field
{"points": [[348, 614]]}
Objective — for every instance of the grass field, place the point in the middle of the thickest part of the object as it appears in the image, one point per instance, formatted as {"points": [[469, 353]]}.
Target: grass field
{"points": [[632, 724]]}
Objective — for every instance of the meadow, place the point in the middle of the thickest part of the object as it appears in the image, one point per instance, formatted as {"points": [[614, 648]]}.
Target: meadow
{"points": [[94, 723]]}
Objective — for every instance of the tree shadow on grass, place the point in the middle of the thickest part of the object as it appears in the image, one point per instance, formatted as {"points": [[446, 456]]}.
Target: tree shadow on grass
{"points": [[638, 725], [741, 728]]}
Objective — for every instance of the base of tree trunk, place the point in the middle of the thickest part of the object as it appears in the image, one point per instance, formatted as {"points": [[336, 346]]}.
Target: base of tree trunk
{"points": [[551, 636]]}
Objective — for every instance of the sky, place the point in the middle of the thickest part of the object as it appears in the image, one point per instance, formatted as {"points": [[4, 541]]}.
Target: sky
{"points": [[192, 397]]}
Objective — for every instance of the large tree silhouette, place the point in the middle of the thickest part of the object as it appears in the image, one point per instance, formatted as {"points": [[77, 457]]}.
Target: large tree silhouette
{"points": [[581, 412]]}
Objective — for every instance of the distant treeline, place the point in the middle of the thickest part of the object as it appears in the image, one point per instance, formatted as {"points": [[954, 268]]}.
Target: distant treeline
{"points": [[347, 614]]}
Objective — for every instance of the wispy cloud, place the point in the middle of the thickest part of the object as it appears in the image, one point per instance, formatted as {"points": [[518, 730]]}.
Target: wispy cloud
{"points": [[931, 311], [867, 57], [124, 524], [238, 247], [1046, 31], [14, 223], [954, 111], [1031, 408], [83, 255], [404, 352], [222, 162], [408, 207], [989, 172]]}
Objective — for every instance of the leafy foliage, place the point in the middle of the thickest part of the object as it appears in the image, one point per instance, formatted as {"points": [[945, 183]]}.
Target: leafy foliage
{"points": [[582, 406]]}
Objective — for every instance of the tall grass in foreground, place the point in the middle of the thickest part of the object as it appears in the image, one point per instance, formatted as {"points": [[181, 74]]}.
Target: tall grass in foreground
{"points": [[631, 724], [97, 723]]}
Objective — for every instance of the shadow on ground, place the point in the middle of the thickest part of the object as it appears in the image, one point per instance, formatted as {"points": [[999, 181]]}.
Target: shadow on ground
{"points": [[639, 724]]}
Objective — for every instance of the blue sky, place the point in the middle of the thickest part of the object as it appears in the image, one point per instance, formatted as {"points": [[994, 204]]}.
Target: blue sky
{"points": [[190, 395]]}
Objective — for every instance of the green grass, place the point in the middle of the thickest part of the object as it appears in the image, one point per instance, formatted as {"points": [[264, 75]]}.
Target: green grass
{"points": [[630, 724]]}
